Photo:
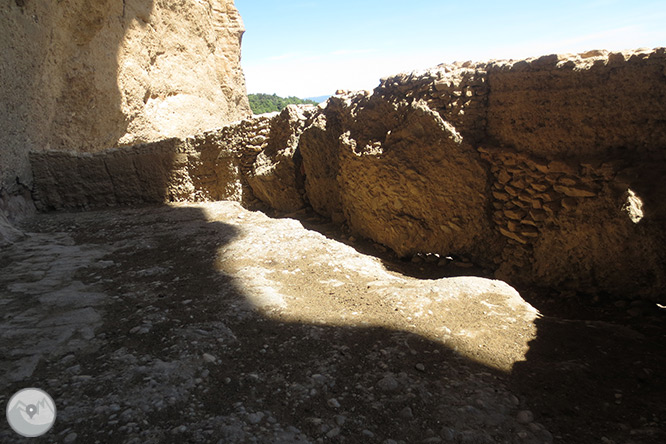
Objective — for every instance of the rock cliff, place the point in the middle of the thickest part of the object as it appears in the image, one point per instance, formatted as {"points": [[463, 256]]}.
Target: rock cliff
{"points": [[84, 76], [545, 171]]}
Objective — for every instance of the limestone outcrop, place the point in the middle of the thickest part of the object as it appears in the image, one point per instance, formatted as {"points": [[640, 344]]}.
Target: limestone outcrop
{"points": [[85, 76], [546, 171]]}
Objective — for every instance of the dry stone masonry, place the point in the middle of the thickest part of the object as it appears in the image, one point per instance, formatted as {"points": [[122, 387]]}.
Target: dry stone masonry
{"points": [[547, 170]]}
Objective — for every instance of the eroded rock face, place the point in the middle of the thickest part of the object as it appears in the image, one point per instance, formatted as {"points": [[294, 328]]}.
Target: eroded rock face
{"points": [[546, 171], [276, 171], [412, 183], [320, 149], [86, 76]]}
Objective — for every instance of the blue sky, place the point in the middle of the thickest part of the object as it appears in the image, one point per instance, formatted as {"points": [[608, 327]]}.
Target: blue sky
{"points": [[312, 48]]}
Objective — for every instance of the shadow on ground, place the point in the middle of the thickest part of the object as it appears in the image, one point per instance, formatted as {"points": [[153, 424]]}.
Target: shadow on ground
{"points": [[597, 365], [182, 356]]}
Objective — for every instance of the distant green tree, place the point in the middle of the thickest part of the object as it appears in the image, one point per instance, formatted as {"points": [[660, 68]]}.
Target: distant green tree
{"points": [[267, 103]]}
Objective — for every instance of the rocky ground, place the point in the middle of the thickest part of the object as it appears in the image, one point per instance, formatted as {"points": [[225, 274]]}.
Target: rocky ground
{"points": [[210, 323]]}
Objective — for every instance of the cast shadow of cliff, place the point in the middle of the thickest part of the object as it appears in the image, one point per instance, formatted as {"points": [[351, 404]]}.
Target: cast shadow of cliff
{"points": [[569, 380], [267, 363], [591, 369]]}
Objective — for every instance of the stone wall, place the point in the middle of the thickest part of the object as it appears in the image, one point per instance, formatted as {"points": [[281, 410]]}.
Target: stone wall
{"points": [[547, 171], [211, 166], [85, 76]]}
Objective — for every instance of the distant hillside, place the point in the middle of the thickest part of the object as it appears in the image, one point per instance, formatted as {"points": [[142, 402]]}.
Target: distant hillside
{"points": [[267, 103], [318, 99]]}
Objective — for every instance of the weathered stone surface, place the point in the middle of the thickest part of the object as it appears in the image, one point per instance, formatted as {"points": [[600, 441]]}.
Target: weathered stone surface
{"points": [[146, 173], [206, 167], [408, 180], [411, 167], [276, 172], [86, 76], [8, 233], [320, 150], [220, 160], [579, 106]]}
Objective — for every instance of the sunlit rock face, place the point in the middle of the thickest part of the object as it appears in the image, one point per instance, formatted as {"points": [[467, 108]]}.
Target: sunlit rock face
{"points": [[545, 171], [85, 76]]}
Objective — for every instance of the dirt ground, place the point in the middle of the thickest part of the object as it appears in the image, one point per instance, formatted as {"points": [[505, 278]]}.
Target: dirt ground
{"points": [[211, 323]]}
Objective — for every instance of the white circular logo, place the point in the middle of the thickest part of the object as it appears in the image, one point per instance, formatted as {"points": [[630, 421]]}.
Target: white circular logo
{"points": [[31, 412]]}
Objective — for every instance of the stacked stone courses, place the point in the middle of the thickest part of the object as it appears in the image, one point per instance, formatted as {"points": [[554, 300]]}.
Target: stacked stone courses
{"points": [[547, 170]]}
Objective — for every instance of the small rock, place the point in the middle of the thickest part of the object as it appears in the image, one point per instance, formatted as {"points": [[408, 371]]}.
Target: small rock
{"points": [[447, 433], [209, 358], [318, 379], [340, 420], [127, 415], [140, 329], [70, 438], [535, 427], [179, 429], [420, 367], [333, 403], [388, 384], [255, 418], [635, 312], [333, 432], [525, 417], [406, 413], [75, 369], [367, 433], [67, 359]]}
